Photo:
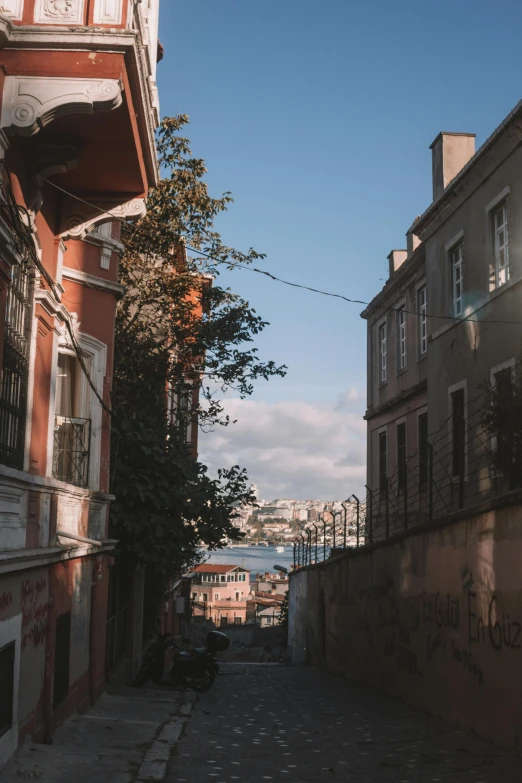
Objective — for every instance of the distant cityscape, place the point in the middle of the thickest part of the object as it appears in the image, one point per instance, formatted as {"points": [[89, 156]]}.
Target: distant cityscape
{"points": [[279, 520]]}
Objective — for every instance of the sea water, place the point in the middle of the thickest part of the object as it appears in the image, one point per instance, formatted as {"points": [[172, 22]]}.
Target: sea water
{"points": [[256, 559]]}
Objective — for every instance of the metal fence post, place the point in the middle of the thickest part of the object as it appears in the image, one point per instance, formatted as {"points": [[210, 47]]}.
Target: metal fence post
{"points": [[316, 558], [309, 538], [333, 524], [358, 517], [430, 482], [294, 555], [345, 523], [324, 538], [387, 501], [405, 496], [370, 508], [461, 478]]}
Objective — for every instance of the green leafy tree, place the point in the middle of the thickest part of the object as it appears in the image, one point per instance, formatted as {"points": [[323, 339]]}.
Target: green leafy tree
{"points": [[283, 616], [181, 342]]}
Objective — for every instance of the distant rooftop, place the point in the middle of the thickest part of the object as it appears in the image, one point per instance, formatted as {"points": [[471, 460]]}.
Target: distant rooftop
{"points": [[207, 568]]}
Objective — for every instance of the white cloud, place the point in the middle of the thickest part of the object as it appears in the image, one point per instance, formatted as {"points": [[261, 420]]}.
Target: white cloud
{"points": [[294, 449]]}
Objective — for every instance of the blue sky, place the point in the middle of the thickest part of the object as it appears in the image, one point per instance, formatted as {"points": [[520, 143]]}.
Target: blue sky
{"points": [[318, 116]]}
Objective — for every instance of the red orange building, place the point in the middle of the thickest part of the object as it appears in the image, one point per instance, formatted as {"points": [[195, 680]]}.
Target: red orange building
{"points": [[78, 109]]}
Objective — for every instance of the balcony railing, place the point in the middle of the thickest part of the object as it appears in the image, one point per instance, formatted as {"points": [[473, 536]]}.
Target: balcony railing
{"points": [[71, 450]]}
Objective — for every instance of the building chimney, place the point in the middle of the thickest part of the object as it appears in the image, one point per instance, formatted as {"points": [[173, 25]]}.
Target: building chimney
{"points": [[412, 241], [450, 153], [396, 259]]}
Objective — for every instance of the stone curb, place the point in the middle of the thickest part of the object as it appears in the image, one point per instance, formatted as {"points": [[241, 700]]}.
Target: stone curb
{"points": [[154, 766]]}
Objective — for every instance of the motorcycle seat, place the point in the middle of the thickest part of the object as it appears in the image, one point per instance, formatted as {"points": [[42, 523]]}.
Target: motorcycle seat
{"points": [[187, 656]]}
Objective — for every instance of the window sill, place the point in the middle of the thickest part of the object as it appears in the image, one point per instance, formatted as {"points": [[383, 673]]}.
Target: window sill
{"points": [[401, 372]]}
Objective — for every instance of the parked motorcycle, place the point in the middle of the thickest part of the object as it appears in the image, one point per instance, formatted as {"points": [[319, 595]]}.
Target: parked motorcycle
{"points": [[194, 669]]}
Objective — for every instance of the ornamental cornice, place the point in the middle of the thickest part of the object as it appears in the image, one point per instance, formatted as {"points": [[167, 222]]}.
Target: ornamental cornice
{"points": [[78, 227], [32, 102], [93, 39]]}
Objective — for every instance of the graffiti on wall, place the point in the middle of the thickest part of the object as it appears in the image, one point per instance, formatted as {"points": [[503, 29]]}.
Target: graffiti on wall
{"points": [[439, 628], [6, 599], [34, 605]]}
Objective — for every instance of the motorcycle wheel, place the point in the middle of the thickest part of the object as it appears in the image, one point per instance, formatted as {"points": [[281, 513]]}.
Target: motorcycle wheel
{"points": [[141, 678], [205, 682]]}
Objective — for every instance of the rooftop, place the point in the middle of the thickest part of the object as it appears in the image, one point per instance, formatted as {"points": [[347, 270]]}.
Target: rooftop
{"points": [[207, 568]]}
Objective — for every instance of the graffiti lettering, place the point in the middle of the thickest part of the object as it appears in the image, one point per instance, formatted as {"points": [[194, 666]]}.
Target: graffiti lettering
{"points": [[464, 657], [502, 631], [467, 579], [405, 658], [6, 599], [435, 643], [35, 610], [444, 611]]}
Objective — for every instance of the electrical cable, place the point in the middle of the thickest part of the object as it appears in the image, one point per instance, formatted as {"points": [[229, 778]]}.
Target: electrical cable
{"points": [[23, 232], [299, 285]]}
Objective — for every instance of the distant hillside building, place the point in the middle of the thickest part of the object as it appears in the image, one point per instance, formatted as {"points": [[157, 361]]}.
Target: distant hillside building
{"points": [[220, 593]]}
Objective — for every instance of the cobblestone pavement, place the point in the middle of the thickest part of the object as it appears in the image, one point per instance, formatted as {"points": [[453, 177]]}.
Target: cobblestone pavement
{"points": [[279, 723]]}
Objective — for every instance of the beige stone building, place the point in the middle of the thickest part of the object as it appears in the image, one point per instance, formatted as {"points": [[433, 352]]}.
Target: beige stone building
{"points": [[448, 321]]}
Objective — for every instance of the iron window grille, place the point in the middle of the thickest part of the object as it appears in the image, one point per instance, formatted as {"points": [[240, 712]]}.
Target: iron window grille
{"points": [[71, 450], [13, 389]]}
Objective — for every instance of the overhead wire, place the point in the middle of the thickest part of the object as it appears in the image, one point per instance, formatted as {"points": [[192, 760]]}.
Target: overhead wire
{"points": [[23, 232], [229, 263]]}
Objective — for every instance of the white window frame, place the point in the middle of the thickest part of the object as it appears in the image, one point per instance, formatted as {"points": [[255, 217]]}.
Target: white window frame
{"points": [[11, 631], [402, 338], [457, 279], [216, 597], [501, 271], [382, 336], [96, 351], [423, 319]]}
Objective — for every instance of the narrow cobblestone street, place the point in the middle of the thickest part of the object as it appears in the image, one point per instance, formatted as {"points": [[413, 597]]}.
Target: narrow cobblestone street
{"points": [[263, 722]]}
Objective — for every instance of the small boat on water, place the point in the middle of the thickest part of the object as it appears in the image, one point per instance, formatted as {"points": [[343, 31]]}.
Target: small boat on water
{"points": [[279, 549]]}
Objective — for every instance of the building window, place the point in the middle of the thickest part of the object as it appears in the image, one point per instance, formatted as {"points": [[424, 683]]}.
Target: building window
{"points": [[223, 578], [423, 320], [7, 665], [503, 381], [423, 448], [500, 241], [216, 596], [194, 596], [401, 333], [458, 426], [205, 597], [72, 428], [383, 462], [13, 389], [401, 456], [223, 621], [237, 620], [457, 279], [383, 353]]}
